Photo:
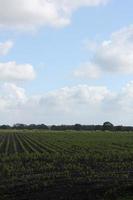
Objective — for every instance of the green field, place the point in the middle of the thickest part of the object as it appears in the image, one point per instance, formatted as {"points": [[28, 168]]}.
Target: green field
{"points": [[65, 165]]}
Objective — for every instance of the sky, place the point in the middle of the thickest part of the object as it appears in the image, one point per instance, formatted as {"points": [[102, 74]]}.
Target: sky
{"points": [[66, 62]]}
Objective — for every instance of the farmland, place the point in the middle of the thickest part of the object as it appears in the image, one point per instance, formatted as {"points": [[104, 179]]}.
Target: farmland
{"points": [[65, 165]]}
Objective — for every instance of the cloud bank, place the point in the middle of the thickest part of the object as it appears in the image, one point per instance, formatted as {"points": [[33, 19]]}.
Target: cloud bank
{"points": [[80, 104], [29, 14]]}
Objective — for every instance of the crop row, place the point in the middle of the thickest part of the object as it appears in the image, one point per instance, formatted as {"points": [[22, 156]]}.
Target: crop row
{"points": [[32, 160]]}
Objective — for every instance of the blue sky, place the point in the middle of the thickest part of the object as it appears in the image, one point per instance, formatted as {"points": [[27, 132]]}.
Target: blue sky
{"points": [[61, 56]]}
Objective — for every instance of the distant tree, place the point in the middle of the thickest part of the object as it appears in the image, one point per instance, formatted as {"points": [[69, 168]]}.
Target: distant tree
{"points": [[108, 126], [32, 126], [42, 126], [19, 126], [98, 127], [5, 127], [53, 127], [119, 128], [77, 127]]}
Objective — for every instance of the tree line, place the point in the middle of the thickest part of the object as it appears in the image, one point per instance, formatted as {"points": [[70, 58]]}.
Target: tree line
{"points": [[77, 127]]}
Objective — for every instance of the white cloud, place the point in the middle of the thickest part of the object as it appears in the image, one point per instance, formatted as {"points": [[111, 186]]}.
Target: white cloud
{"points": [[66, 105], [14, 92], [5, 47], [28, 14], [87, 70], [125, 98], [79, 104], [11, 71], [69, 98], [11, 97], [114, 56]]}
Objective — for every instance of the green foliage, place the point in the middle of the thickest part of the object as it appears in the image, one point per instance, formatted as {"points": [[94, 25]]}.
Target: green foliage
{"points": [[108, 126]]}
